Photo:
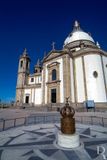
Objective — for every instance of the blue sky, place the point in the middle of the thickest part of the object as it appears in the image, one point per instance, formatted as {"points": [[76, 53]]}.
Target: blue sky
{"points": [[34, 24]]}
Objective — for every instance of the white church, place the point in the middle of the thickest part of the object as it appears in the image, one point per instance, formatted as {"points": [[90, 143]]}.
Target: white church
{"points": [[78, 71]]}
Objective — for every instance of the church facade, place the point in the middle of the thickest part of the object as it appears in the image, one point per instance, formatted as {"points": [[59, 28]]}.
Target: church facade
{"points": [[78, 71]]}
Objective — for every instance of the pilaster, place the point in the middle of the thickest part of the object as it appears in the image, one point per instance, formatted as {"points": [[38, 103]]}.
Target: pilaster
{"points": [[43, 81], [104, 75], [84, 78], [66, 76]]}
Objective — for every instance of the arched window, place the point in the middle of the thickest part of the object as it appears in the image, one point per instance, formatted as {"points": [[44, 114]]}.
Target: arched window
{"points": [[32, 79], [36, 71], [53, 74], [27, 65], [21, 64]]}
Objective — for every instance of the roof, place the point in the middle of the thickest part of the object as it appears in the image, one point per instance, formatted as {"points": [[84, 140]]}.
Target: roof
{"points": [[77, 34]]}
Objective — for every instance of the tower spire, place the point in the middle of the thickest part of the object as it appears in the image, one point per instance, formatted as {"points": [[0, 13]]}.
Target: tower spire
{"points": [[25, 52], [37, 67], [38, 63]]}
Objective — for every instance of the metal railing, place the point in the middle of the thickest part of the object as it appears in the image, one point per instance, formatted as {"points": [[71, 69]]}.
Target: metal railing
{"points": [[52, 118], [92, 120]]}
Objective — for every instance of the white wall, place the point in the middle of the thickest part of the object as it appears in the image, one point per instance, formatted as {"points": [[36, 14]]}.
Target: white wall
{"points": [[38, 96], [95, 86], [79, 80], [35, 95], [37, 79], [32, 95], [72, 80], [105, 68]]}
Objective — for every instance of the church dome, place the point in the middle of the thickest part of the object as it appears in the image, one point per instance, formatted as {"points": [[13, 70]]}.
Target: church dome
{"points": [[77, 35]]}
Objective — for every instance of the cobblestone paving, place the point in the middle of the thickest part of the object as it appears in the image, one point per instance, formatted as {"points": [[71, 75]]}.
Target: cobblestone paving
{"points": [[37, 142]]}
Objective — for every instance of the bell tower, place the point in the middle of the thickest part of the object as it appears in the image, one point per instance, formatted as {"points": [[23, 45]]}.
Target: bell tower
{"points": [[37, 68], [23, 72]]}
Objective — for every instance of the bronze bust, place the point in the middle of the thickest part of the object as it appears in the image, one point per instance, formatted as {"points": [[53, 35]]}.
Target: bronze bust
{"points": [[67, 120]]}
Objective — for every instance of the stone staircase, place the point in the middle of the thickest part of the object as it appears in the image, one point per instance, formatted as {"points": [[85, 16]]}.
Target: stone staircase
{"points": [[79, 107]]}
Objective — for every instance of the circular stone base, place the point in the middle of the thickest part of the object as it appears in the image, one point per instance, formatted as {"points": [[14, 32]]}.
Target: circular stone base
{"points": [[68, 141]]}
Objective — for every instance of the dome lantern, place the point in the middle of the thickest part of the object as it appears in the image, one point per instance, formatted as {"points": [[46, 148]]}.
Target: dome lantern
{"points": [[76, 27]]}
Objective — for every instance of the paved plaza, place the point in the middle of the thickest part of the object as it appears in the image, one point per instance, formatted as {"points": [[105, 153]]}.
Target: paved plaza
{"points": [[38, 142]]}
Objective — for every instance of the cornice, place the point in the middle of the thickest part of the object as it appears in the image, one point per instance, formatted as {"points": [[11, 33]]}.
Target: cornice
{"points": [[53, 82], [32, 86], [88, 52]]}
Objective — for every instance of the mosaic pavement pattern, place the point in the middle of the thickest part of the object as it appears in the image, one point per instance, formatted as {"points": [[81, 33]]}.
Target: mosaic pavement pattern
{"points": [[37, 142]]}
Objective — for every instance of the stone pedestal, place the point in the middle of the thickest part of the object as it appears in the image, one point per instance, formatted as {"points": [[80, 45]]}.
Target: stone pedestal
{"points": [[68, 141]]}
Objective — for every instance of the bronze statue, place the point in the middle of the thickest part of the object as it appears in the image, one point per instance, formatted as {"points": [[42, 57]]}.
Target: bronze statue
{"points": [[67, 120]]}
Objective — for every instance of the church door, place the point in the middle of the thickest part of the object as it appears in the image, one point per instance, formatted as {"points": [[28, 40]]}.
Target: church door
{"points": [[53, 95], [27, 99]]}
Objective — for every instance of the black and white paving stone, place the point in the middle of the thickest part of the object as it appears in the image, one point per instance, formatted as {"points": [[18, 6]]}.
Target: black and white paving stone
{"points": [[38, 142]]}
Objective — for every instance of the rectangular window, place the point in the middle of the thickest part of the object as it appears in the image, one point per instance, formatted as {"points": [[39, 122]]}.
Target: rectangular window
{"points": [[32, 80], [53, 95], [54, 74]]}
